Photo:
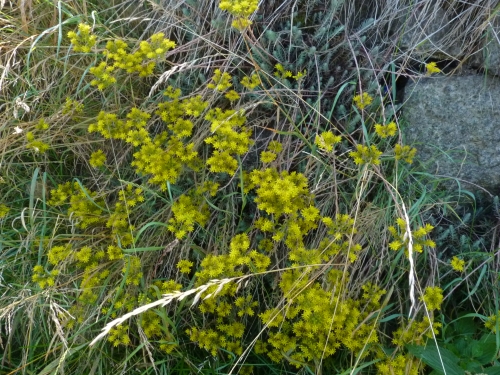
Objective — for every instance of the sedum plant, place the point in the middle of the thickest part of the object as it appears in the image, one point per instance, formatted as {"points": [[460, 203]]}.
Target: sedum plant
{"points": [[206, 222]]}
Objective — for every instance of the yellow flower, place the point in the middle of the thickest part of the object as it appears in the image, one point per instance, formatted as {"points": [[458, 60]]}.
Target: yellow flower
{"points": [[327, 140], [433, 297], [492, 322], [4, 210], [457, 264], [184, 266], [385, 131], [366, 155], [221, 81], [252, 82], [97, 159], [363, 101], [232, 96], [432, 68], [267, 156], [406, 153]]}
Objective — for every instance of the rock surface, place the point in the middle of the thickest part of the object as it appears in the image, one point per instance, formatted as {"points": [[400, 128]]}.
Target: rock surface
{"points": [[427, 33], [491, 52], [454, 122]]}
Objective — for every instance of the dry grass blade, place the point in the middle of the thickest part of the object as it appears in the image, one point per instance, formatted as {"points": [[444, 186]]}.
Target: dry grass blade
{"points": [[167, 298]]}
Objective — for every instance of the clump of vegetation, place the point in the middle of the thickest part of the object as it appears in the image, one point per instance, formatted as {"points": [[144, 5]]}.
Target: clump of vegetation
{"points": [[169, 207]]}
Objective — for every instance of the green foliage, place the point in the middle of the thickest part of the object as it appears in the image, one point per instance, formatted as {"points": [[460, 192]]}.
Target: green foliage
{"points": [[466, 348]]}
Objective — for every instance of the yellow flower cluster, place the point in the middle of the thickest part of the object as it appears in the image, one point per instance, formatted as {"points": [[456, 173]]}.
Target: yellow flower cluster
{"points": [[132, 270], [385, 131], [119, 335], [326, 140], [175, 113], [279, 193], [143, 60], [282, 73], [405, 153], [72, 106], [338, 239], [230, 137], [245, 305], [97, 159], [457, 264], [151, 324], [363, 100], [401, 239], [399, 365], [221, 81], [103, 76], [84, 204], [36, 144], [184, 266], [433, 297], [208, 339], [241, 9], [151, 321], [109, 126], [4, 211], [188, 211], [43, 278], [366, 155], [92, 279], [273, 149], [119, 221], [84, 207], [132, 130], [252, 82], [432, 68], [124, 301], [42, 125], [316, 322], [83, 41], [231, 265], [165, 165], [57, 254], [228, 330], [493, 322], [417, 332]]}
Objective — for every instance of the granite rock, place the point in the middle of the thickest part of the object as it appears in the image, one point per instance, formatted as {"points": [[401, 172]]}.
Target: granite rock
{"points": [[454, 122]]}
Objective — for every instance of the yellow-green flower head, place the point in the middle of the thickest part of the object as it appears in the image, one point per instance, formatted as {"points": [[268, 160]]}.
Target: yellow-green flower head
{"points": [[252, 82], [432, 68], [327, 140], [97, 159], [405, 153], [281, 72], [158, 46], [419, 237], [384, 131], [267, 157], [239, 8], [493, 322], [433, 297], [363, 101], [82, 41], [184, 266], [4, 210], [221, 81], [103, 74], [42, 125], [457, 264], [366, 155], [232, 96]]}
